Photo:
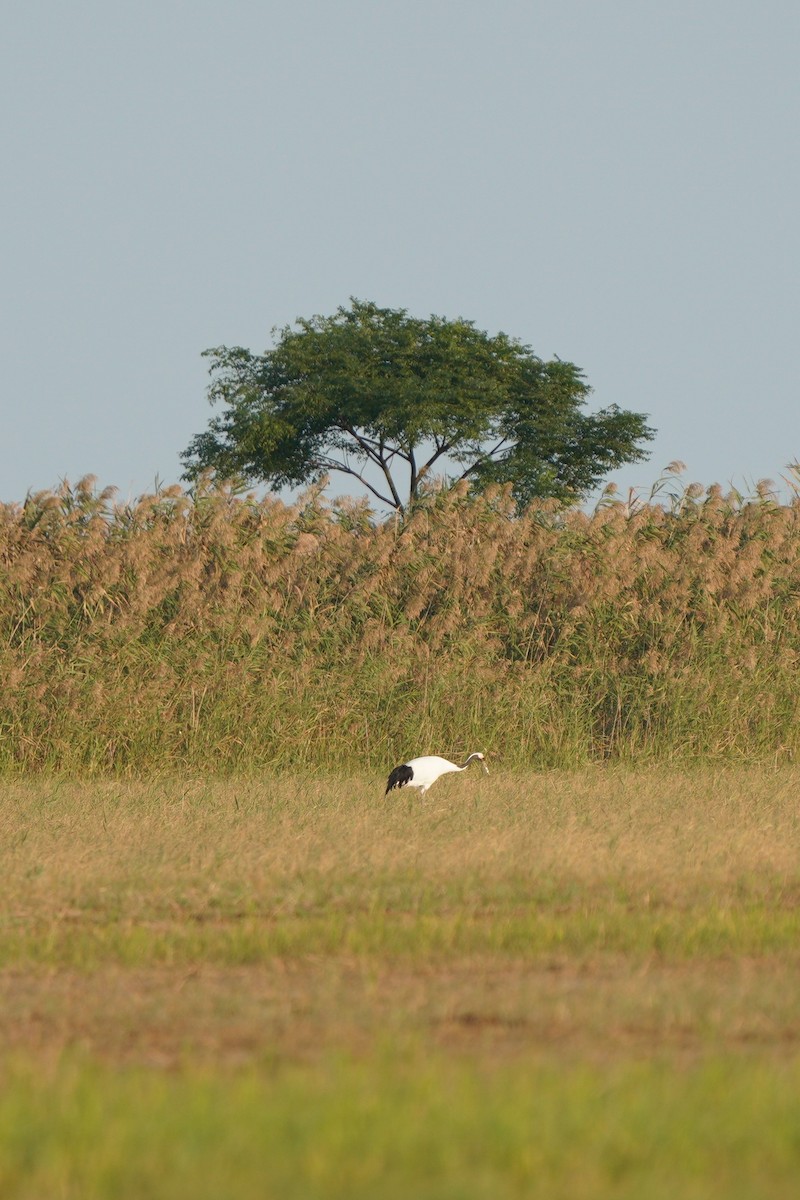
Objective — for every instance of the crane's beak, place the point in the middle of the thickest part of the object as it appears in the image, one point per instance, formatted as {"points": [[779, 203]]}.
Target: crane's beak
{"points": [[485, 768]]}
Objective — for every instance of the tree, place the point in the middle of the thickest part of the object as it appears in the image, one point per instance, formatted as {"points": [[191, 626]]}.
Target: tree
{"points": [[384, 397]]}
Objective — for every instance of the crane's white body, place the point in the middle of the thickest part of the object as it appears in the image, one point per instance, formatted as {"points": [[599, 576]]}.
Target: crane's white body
{"points": [[422, 772]]}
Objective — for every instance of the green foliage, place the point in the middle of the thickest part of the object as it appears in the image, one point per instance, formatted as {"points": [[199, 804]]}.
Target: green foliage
{"points": [[375, 387]]}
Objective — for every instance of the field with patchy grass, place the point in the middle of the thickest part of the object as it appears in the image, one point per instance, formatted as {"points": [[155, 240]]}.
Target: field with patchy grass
{"points": [[565, 984]]}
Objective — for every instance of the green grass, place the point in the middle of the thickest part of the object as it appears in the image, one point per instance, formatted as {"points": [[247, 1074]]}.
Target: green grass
{"points": [[601, 927], [400, 1126], [570, 984]]}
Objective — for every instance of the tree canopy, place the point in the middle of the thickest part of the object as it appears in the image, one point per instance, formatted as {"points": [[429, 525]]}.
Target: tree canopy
{"points": [[385, 397]]}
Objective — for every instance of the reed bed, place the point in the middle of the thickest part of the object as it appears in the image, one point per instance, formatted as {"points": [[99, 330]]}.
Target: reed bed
{"points": [[219, 631]]}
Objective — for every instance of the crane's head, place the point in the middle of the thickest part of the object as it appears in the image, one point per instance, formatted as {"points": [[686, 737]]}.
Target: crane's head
{"points": [[480, 758]]}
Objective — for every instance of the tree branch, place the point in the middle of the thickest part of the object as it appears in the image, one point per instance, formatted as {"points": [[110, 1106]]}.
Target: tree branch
{"points": [[377, 457], [380, 445], [366, 444], [441, 448], [395, 451], [333, 465], [380, 460], [482, 459]]}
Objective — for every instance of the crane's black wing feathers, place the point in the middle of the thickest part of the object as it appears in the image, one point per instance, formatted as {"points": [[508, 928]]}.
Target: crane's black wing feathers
{"points": [[399, 777]]}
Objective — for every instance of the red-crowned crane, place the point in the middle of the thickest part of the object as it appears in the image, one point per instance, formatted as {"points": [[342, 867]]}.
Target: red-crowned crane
{"points": [[422, 772]]}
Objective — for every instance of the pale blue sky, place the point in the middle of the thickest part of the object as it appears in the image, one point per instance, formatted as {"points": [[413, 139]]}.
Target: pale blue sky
{"points": [[612, 182]]}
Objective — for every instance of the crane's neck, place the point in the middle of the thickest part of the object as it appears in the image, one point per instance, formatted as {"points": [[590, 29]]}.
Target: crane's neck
{"points": [[469, 760]]}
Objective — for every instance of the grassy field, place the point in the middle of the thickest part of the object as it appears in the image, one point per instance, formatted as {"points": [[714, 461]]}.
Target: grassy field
{"points": [[568, 984]]}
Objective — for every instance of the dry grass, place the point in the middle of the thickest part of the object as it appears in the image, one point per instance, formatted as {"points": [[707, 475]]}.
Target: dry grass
{"points": [[220, 633], [600, 1011], [528, 911], [560, 985]]}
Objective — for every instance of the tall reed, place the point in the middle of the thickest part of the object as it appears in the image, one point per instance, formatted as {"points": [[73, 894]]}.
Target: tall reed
{"points": [[222, 632]]}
